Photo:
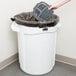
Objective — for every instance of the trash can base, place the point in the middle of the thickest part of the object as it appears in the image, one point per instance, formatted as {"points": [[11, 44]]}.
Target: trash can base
{"points": [[38, 73]]}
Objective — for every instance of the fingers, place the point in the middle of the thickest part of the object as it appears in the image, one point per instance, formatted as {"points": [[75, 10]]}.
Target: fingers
{"points": [[53, 7]]}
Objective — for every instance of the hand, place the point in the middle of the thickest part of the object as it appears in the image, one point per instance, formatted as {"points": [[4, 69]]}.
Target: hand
{"points": [[56, 6], [53, 7]]}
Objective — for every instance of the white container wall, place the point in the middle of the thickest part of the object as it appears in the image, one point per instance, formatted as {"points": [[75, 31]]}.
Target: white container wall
{"points": [[36, 48]]}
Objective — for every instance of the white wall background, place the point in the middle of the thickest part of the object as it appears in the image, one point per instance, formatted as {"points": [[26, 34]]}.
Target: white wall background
{"points": [[66, 40]]}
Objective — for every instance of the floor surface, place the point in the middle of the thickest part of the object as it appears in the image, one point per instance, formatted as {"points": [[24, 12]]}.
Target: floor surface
{"points": [[60, 69]]}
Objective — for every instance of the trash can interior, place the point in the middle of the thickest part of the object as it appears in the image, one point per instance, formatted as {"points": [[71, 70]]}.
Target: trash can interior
{"points": [[27, 19]]}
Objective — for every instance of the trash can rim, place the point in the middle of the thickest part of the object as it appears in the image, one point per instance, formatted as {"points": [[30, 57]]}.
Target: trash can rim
{"points": [[18, 20]]}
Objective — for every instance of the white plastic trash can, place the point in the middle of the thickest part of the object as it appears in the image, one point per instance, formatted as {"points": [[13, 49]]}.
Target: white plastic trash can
{"points": [[36, 48]]}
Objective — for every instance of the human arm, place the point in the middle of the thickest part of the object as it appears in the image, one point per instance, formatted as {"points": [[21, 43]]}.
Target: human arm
{"points": [[55, 6]]}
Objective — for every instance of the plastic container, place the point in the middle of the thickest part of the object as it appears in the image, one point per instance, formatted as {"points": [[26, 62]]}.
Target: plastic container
{"points": [[36, 45], [41, 11]]}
